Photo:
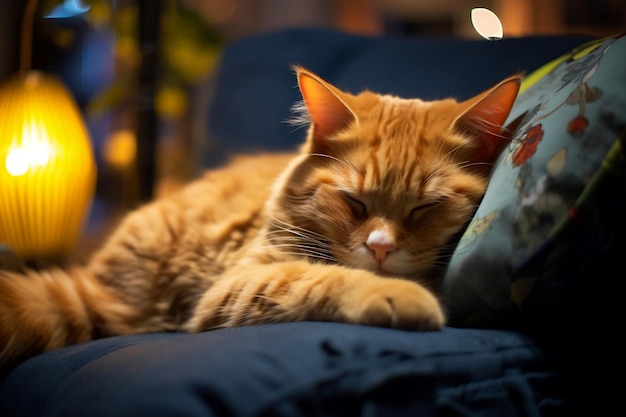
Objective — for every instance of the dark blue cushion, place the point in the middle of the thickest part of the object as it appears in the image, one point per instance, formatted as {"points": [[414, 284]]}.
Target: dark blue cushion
{"points": [[255, 87], [290, 369]]}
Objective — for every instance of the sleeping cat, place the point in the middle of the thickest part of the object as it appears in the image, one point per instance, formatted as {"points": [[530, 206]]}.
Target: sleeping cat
{"points": [[351, 228]]}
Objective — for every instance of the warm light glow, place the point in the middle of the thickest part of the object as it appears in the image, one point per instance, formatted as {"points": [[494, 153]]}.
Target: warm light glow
{"points": [[47, 168], [120, 149], [17, 162], [486, 23], [20, 160], [38, 154]]}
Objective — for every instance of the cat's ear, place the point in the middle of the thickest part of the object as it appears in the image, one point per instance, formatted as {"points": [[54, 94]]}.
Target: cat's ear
{"points": [[326, 108], [485, 115]]}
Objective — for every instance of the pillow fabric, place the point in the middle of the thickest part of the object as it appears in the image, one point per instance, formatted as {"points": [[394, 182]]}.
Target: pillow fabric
{"points": [[544, 244]]}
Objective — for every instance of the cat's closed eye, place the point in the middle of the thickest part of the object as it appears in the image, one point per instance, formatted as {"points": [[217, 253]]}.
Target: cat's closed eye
{"points": [[423, 208], [358, 208]]}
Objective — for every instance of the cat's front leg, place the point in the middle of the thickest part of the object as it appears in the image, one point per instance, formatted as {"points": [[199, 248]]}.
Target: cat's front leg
{"points": [[299, 291]]}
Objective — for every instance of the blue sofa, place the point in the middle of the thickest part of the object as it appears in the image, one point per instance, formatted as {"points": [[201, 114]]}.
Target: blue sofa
{"points": [[525, 366]]}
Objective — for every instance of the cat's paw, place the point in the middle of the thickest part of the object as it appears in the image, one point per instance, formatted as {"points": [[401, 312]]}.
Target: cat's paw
{"points": [[395, 303]]}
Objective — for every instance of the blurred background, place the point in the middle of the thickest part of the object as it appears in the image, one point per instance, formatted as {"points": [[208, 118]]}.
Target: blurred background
{"points": [[140, 70]]}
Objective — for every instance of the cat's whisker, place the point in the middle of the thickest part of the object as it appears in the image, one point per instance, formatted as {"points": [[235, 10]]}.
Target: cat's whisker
{"points": [[444, 252], [299, 242], [289, 228], [473, 164], [333, 158], [314, 255], [281, 230], [279, 235], [306, 245], [314, 248], [303, 247], [298, 231]]}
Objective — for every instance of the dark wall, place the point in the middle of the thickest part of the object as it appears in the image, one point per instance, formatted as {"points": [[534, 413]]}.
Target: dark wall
{"points": [[10, 21]]}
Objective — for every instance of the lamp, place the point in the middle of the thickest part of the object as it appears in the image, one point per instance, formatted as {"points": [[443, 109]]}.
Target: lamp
{"points": [[47, 166]]}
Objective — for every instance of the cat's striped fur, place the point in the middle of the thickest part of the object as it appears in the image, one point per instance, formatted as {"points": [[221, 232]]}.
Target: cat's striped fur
{"points": [[350, 229]]}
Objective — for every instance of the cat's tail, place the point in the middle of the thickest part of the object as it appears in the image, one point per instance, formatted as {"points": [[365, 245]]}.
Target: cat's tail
{"points": [[49, 309]]}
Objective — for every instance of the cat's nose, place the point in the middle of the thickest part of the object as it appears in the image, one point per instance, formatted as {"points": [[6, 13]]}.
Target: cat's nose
{"points": [[381, 250], [381, 243]]}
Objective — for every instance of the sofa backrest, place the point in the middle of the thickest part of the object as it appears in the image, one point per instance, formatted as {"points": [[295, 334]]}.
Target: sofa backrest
{"points": [[254, 87]]}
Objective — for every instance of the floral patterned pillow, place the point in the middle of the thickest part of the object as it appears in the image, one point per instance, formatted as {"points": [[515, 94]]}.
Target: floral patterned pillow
{"points": [[549, 230]]}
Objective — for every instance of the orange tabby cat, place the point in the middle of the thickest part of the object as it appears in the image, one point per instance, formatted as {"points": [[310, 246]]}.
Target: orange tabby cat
{"points": [[348, 229]]}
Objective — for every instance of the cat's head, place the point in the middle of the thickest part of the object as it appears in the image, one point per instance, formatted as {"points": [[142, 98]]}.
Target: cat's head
{"points": [[384, 183]]}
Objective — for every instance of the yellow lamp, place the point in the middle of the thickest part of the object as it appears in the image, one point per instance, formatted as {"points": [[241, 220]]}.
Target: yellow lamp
{"points": [[47, 167]]}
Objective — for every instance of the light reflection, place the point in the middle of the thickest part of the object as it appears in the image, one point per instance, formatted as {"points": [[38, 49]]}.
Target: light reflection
{"points": [[486, 23], [69, 8], [20, 160]]}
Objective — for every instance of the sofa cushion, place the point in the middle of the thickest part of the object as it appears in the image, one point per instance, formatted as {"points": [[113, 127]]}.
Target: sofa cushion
{"points": [[546, 242], [290, 369]]}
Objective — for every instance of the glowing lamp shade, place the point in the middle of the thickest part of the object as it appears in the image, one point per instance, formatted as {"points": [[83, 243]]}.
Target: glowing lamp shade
{"points": [[47, 167]]}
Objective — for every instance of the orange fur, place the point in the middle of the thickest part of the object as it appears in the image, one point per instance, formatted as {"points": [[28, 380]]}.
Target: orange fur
{"points": [[352, 228]]}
